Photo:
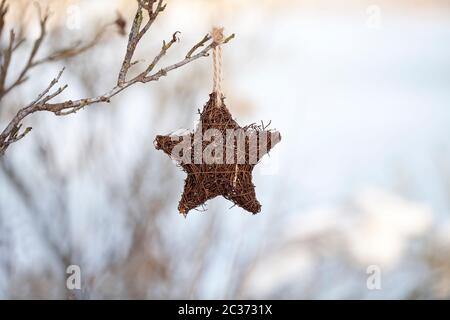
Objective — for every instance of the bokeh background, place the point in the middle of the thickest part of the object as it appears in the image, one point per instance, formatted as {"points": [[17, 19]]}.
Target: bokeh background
{"points": [[360, 93]]}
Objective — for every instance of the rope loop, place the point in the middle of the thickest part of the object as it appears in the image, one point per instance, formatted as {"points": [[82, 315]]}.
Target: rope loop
{"points": [[218, 38]]}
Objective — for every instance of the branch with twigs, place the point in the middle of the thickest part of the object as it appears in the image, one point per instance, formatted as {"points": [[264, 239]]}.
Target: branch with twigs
{"points": [[16, 41], [147, 9]]}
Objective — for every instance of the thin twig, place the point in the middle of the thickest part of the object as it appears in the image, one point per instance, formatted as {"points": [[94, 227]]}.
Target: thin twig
{"points": [[198, 45], [72, 50], [3, 11], [32, 62], [6, 60], [42, 103]]}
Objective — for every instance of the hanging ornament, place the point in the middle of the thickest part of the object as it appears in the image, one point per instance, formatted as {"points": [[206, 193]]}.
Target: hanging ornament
{"points": [[219, 156]]}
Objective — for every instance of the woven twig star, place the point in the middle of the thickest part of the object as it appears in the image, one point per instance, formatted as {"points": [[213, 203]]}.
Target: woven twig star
{"points": [[219, 157]]}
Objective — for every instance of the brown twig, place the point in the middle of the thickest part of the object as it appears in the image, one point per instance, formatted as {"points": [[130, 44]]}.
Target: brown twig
{"points": [[6, 56], [3, 11], [198, 45], [32, 62], [37, 44], [72, 50], [137, 33], [153, 7]]}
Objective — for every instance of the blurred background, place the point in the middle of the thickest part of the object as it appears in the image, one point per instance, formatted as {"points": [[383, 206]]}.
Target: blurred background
{"points": [[361, 179]]}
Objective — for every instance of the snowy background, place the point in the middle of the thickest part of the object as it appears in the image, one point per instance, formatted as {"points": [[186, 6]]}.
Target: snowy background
{"points": [[360, 93]]}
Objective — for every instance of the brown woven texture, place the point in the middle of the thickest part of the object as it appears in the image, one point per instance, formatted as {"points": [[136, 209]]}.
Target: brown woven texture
{"points": [[232, 181]]}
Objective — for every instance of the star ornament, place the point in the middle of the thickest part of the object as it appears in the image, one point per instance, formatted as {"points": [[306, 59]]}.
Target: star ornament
{"points": [[219, 157]]}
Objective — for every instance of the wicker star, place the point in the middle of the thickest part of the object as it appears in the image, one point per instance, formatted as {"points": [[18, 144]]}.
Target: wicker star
{"points": [[220, 165]]}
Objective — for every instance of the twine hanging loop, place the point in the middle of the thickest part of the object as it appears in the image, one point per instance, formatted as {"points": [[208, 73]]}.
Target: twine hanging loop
{"points": [[218, 38]]}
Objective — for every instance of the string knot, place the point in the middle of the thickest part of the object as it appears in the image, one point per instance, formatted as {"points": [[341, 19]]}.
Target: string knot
{"points": [[217, 35]]}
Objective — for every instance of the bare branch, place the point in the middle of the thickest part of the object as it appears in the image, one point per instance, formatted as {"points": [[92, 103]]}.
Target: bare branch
{"points": [[60, 54], [37, 44], [164, 48], [6, 60], [73, 50], [136, 33], [198, 45], [43, 102], [11, 132], [50, 86], [121, 24], [35, 49], [229, 38], [3, 11]]}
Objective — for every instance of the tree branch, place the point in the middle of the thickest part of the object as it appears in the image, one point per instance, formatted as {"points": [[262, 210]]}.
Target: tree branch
{"points": [[3, 11], [37, 44], [42, 103], [136, 33], [32, 62]]}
